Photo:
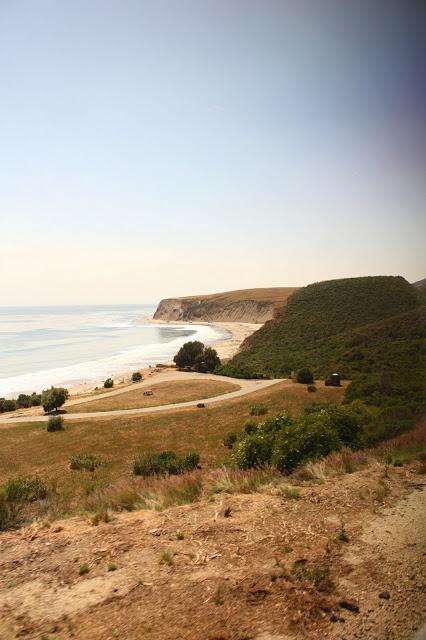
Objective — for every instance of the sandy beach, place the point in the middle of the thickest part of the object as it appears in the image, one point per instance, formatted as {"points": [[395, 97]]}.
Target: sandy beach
{"points": [[226, 348]]}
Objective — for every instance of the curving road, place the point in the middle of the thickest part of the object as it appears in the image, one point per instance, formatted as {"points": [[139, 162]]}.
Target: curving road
{"points": [[247, 387]]}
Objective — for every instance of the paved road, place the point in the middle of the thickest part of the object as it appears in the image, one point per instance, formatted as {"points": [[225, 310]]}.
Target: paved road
{"points": [[247, 387]]}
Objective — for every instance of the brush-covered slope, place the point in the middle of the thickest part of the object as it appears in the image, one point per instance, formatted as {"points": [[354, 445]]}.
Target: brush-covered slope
{"points": [[361, 327], [246, 305]]}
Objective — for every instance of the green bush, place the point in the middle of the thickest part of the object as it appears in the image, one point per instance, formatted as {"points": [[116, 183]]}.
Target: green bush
{"points": [[109, 383], [24, 489], [207, 361], [286, 443], [258, 410], [85, 462], [305, 376], [230, 439], [53, 398], [166, 462], [55, 423], [250, 427], [136, 376]]}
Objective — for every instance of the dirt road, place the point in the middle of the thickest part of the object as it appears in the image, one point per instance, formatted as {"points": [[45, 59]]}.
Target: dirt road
{"points": [[247, 386]]}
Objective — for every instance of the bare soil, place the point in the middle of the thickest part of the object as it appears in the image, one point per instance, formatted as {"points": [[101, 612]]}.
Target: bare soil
{"points": [[263, 566]]}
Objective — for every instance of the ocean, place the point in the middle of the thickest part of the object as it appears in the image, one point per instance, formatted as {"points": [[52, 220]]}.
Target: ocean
{"points": [[69, 345]]}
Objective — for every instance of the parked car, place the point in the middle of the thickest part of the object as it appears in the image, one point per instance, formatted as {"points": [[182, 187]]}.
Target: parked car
{"points": [[201, 405], [148, 393]]}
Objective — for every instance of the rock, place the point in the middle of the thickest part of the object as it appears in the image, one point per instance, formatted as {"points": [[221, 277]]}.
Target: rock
{"points": [[384, 595], [349, 605]]}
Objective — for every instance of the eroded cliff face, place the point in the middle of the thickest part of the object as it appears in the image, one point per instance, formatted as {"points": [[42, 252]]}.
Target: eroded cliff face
{"points": [[223, 307]]}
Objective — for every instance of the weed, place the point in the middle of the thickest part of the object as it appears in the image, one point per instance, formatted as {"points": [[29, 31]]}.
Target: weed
{"points": [[258, 410], [290, 492], [287, 549], [111, 566], [343, 536], [180, 535], [83, 569], [100, 516], [167, 558], [381, 492], [85, 462]]}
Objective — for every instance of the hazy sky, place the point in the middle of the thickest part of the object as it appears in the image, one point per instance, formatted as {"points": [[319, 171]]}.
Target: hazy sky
{"points": [[153, 148]]}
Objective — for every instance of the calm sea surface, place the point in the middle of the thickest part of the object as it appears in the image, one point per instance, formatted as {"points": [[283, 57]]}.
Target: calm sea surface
{"points": [[41, 346]]}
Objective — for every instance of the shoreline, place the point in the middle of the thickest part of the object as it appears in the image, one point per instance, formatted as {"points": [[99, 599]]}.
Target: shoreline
{"points": [[227, 344]]}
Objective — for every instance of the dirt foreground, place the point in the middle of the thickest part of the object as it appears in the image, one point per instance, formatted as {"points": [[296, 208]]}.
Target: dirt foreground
{"points": [[263, 566]]}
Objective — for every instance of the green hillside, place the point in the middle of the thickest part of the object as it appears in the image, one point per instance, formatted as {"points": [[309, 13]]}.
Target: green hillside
{"points": [[371, 330]]}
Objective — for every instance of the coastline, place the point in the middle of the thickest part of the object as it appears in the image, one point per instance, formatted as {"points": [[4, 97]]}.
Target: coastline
{"points": [[226, 348], [231, 335]]}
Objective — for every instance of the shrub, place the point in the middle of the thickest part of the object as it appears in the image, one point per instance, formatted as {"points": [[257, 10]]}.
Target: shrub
{"points": [[85, 462], [305, 376], [207, 361], [23, 401], [53, 398], [55, 423], [109, 383], [166, 462], [230, 439], [7, 405], [83, 569], [258, 410], [250, 427], [312, 388], [35, 399], [136, 376], [24, 489]]}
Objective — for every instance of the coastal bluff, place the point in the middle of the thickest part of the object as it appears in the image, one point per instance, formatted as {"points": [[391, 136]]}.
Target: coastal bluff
{"points": [[254, 306]]}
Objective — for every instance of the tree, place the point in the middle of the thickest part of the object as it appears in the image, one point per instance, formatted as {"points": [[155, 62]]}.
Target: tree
{"points": [[109, 383], [207, 361], [53, 398], [23, 401], [188, 354], [136, 376]]}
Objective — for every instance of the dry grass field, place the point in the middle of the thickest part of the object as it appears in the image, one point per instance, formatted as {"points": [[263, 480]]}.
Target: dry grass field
{"points": [[164, 393], [28, 449]]}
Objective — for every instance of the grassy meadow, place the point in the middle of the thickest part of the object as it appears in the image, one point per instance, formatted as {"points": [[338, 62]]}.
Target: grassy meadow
{"points": [[164, 393], [29, 450]]}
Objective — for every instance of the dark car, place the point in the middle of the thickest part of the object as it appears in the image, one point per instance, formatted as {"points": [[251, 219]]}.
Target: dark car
{"points": [[201, 405]]}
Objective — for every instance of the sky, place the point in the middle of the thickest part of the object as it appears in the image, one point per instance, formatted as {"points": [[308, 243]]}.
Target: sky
{"points": [[156, 148]]}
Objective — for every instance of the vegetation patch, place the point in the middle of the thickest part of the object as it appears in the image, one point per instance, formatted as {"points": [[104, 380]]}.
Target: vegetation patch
{"points": [[85, 462], [166, 462]]}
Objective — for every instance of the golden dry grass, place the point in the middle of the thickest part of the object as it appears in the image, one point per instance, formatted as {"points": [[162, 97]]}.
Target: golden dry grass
{"points": [[27, 448], [277, 295], [164, 393]]}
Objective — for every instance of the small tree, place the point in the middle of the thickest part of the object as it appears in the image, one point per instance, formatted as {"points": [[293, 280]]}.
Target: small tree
{"points": [[53, 398], [136, 376], [188, 354], [109, 383], [207, 361], [305, 376], [23, 401], [55, 423]]}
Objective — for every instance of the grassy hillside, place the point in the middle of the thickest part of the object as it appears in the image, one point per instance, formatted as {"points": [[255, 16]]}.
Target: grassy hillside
{"points": [[371, 330]]}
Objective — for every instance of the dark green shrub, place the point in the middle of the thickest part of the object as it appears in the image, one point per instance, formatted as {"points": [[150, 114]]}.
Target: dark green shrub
{"points": [[109, 383], [55, 423], [24, 489], [250, 427], [35, 399], [207, 361], [230, 439], [136, 376], [23, 401], [305, 376], [85, 462], [53, 398], [7, 405], [166, 462], [258, 410]]}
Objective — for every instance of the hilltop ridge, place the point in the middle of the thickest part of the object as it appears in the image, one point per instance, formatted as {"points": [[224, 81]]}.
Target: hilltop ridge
{"points": [[245, 305]]}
